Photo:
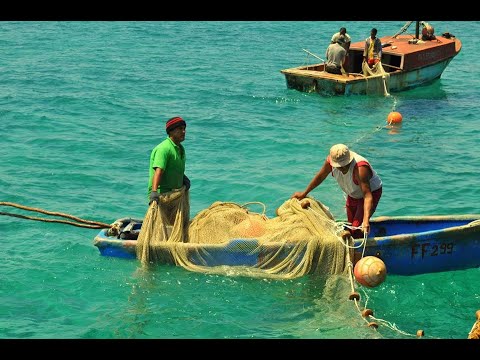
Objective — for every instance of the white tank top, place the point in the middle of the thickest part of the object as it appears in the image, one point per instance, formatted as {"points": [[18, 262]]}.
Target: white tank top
{"points": [[346, 183]]}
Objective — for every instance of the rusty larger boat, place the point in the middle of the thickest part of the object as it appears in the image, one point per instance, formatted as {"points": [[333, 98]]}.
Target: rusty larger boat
{"points": [[408, 61]]}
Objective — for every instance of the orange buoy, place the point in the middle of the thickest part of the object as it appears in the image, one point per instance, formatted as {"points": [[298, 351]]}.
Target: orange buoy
{"points": [[249, 228], [370, 271], [394, 118]]}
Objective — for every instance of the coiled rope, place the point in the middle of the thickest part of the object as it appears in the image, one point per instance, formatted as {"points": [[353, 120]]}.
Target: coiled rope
{"points": [[79, 222], [367, 314], [372, 322]]}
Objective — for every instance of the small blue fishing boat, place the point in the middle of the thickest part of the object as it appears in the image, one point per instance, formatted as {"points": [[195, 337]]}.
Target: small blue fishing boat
{"points": [[408, 245]]}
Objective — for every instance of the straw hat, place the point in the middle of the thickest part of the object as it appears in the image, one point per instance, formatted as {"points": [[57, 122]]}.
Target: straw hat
{"points": [[340, 155]]}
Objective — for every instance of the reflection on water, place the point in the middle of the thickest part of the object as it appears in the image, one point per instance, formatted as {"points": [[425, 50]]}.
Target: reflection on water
{"points": [[432, 91]]}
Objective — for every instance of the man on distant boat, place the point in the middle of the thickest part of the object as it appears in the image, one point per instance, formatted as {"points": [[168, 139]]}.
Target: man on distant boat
{"points": [[373, 49], [335, 56], [357, 179], [346, 44], [342, 32]]}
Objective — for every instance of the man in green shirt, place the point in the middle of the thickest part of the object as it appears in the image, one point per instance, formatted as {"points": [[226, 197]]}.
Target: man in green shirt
{"points": [[167, 161], [168, 215]]}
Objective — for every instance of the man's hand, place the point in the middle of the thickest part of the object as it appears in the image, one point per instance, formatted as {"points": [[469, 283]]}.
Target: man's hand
{"points": [[154, 196], [366, 227], [299, 195]]}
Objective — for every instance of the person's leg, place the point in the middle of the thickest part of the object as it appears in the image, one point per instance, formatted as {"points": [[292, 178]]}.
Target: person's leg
{"points": [[333, 70], [355, 211], [357, 222], [354, 208]]}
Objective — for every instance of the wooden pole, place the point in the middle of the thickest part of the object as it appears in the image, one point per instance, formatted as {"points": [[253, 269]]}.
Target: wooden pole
{"points": [[391, 66], [308, 52]]}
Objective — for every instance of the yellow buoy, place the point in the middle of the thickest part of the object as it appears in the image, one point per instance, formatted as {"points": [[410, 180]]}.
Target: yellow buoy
{"points": [[394, 118], [370, 271]]}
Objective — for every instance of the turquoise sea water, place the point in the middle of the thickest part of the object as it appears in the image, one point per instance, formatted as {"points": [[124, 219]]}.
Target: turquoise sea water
{"points": [[83, 103]]}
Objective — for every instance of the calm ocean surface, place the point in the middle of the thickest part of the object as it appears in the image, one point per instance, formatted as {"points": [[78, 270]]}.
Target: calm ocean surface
{"points": [[83, 103]]}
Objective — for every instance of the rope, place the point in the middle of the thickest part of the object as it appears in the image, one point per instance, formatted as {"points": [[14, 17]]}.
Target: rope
{"points": [[345, 241], [79, 222], [310, 53], [258, 203], [403, 29], [354, 295], [364, 244], [385, 91]]}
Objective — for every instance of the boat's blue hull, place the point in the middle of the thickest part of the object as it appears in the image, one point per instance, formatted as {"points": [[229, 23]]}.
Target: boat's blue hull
{"points": [[407, 245], [416, 245]]}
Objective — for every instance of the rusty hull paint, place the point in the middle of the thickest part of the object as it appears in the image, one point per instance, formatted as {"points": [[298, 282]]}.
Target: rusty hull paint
{"points": [[417, 55]]}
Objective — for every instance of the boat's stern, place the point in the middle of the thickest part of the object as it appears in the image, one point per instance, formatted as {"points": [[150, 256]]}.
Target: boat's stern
{"points": [[111, 246]]}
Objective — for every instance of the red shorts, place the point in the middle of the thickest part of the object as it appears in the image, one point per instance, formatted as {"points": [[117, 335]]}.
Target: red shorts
{"points": [[372, 62], [354, 209]]}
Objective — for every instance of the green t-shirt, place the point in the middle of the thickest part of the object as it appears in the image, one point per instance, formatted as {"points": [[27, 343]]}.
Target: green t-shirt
{"points": [[171, 158]]}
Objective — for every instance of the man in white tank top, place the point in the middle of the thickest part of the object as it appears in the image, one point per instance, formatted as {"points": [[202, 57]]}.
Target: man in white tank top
{"points": [[357, 179]]}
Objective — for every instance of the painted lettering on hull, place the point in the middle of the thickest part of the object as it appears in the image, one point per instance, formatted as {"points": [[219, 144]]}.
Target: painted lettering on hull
{"points": [[421, 251]]}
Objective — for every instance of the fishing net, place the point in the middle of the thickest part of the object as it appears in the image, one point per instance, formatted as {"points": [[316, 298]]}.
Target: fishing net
{"points": [[303, 238], [378, 80], [165, 222], [475, 332]]}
